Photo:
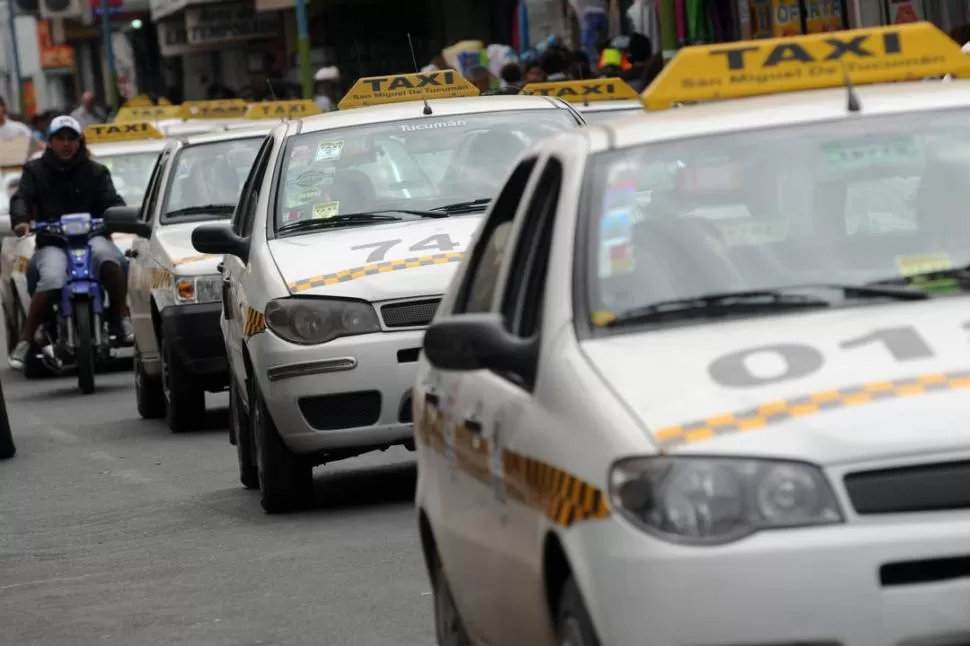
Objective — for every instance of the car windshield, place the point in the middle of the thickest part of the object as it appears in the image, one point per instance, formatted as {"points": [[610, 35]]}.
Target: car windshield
{"points": [[847, 202], [130, 173], [418, 164], [207, 178]]}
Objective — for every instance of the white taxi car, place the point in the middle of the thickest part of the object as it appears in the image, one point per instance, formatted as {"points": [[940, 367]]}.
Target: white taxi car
{"points": [[701, 378], [175, 293], [596, 99], [345, 237]]}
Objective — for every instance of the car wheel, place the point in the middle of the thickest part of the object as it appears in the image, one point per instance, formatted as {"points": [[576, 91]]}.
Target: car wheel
{"points": [[239, 428], [149, 394], [184, 401], [448, 626], [574, 627], [285, 481]]}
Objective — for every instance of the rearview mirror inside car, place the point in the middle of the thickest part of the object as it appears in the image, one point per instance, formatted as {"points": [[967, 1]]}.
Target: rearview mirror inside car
{"points": [[219, 239], [124, 219]]}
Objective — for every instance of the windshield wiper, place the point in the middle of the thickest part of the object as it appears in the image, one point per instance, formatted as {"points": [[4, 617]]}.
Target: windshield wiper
{"points": [[215, 209], [786, 298], [423, 214], [472, 205], [960, 274], [349, 219]]}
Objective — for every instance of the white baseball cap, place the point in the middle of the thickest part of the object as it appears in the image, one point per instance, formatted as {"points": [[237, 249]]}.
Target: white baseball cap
{"points": [[62, 122]]}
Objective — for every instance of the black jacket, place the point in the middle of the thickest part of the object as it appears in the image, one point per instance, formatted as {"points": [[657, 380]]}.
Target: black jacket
{"points": [[50, 188]]}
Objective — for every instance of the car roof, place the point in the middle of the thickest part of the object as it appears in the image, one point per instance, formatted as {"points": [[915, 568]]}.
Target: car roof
{"points": [[439, 107], [793, 108]]}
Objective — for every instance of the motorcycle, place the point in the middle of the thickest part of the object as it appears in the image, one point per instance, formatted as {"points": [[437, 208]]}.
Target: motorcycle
{"points": [[77, 334]]}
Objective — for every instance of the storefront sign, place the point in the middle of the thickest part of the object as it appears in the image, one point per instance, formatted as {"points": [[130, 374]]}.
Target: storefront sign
{"points": [[221, 23], [820, 15], [172, 38], [903, 11], [52, 56]]}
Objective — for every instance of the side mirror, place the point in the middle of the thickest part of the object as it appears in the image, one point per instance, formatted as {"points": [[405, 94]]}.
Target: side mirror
{"points": [[480, 342], [220, 239], [124, 219]]}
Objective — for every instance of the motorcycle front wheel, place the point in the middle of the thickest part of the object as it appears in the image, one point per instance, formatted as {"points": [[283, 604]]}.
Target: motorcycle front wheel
{"points": [[84, 352]]}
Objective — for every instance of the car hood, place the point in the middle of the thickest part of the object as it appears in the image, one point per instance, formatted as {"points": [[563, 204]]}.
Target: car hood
{"points": [[851, 384], [176, 253], [376, 262]]}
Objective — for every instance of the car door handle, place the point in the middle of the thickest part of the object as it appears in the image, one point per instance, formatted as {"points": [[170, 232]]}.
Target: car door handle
{"points": [[473, 426], [131, 253], [431, 398], [221, 266]]}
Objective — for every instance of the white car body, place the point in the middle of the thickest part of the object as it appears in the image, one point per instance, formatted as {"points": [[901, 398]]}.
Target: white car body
{"points": [[513, 482]]}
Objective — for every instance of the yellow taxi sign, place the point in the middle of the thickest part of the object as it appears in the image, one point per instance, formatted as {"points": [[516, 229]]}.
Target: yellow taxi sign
{"points": [[124, 131], [221, 109], [148, 113], [398, 88], [608, 89], [756, 67], [282, 109]]}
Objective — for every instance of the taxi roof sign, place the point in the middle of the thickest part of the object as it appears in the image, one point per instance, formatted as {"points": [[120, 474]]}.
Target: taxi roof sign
{"points": [[123, 131], [906, 52], [606, 89], [143, 100], [148, 113], [220, 109], [399, 88], [282, 109]]}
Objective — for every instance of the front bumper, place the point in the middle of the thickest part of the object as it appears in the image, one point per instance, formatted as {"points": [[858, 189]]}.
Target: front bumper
{"points": [[194, 332], [350, 393], [887, 583]]}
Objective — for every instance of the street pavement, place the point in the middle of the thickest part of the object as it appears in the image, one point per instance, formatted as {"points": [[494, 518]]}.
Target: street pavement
{"points": [[115, 531]]}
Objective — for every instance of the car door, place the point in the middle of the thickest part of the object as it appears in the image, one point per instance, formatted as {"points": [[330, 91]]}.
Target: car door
{"points": [[140, 265], [511, 420], [463, 476], [233, 267]]}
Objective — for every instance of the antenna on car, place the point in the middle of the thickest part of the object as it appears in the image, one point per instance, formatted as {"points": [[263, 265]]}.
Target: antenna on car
{"points": [[360, 64], [854, 104], [417, 70], [272, 93]]}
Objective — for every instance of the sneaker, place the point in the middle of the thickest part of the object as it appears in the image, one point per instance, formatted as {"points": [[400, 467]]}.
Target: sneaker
{"points": [[18, 357]]}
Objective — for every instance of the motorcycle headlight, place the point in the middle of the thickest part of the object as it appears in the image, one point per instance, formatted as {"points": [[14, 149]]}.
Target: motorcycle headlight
{"points": [[311, 321], [198, 289], [713, 501]]}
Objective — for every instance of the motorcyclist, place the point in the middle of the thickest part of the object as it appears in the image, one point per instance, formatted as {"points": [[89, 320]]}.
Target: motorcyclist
{"points": [[66, 180]]}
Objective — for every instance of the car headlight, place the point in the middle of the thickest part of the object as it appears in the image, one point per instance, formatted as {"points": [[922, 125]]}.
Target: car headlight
{"points": [[310, 321], [198, 289], [713, 501]]}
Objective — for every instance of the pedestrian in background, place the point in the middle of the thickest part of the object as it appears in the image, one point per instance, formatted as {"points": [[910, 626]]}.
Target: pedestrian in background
{"points": [[88, 113], [327, 88]]}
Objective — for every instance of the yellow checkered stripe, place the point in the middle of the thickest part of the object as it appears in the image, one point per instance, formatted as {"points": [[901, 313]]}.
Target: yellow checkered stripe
{"points": [[196, 258], [20, 265], [559, 495], [372, 269], [253, 321], [161, 278], [811, 404]]}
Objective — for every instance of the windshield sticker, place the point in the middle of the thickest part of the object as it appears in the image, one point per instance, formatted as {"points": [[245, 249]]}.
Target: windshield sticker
{"points": [[923, 263], [325, 210], [312, 178], [293, 215], [303, 197], [329, 151], [300, 156], [602, 318], [184, 170], [616, 248], [748, 233], [433, 126], [900, 151]]}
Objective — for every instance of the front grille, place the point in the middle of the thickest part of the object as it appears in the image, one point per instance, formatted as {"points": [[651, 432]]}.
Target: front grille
{"points": [[928, 487], [410, 314], [346, 410]]}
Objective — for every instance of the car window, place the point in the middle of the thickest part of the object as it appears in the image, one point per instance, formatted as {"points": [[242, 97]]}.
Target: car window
{"points": [[835, 202], [130, 173], [154, 188], [424, 163], [209, 175]]}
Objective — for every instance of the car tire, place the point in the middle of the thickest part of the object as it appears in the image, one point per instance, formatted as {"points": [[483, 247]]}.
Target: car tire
{"points": [[184, 400], [7, 447], [149, 393], [243, 439], [285, 481], [574, 627], [448, 626]]}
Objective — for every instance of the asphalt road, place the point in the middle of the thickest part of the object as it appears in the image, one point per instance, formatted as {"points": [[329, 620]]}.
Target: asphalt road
{"points": [[115, 531]]}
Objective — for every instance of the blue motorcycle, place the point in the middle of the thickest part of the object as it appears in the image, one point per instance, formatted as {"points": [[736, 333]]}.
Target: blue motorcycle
{"points": [[77, 334]]}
